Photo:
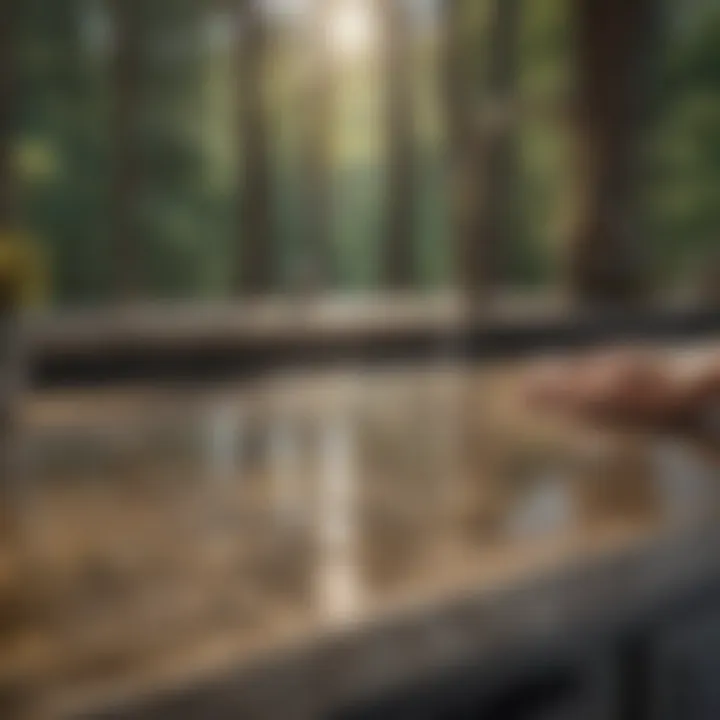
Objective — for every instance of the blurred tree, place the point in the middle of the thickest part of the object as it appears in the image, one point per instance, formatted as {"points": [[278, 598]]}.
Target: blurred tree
{"points": [[7, 112], [456, 97], [10, 362], [541, 200], [319, 267], [613, 59], [125, 157], [61, 143], [176, 224], [400, 266], [257, 262], [483, 142], [684, 189], [496, 176]]}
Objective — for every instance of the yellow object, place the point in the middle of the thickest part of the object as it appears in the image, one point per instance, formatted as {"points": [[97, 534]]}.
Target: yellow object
{"points": [[22, 271]]}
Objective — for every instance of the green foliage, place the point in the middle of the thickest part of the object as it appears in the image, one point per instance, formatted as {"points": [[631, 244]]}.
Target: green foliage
{"points": [[188, 222], [685, 188]]}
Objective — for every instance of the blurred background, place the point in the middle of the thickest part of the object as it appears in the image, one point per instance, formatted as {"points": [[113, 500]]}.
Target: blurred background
{"points": [[202, 150]]}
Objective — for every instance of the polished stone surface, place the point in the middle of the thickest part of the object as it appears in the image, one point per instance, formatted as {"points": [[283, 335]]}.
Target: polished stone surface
{"points": [[323, 534]]}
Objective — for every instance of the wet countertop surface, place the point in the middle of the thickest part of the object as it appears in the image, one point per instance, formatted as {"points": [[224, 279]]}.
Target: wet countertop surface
{"points": [[301, 541]]}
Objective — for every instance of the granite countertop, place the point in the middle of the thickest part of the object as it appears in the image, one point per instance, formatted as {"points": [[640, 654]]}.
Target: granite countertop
{"points": [[306, 541]]}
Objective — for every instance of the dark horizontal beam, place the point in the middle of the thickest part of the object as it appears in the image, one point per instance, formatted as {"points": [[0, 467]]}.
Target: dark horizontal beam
{"points": [[234, 344]]}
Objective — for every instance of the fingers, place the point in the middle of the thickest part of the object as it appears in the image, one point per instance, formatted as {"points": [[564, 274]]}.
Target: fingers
{"points": [[624, 387]]}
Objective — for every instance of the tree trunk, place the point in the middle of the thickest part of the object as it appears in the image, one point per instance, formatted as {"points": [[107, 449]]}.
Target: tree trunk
{"points": [[458, 112], [125, 155], [610, 113], [256, 272], [399, 267], [7, 90], [483, 148], [10, 362], [318, 269], [496, 147]]}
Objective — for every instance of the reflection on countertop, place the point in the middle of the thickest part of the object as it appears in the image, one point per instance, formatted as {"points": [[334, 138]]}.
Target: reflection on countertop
{"points": [[170, 536]]}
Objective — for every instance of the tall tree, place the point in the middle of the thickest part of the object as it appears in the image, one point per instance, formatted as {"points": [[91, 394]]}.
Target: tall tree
{"points": [[399, 268], [454, 92], [610, 113], [177, 236], [9, 344], [256, 260], [7, 82], [319, 267], [125, 156], [482, 144], [497, 171]]}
